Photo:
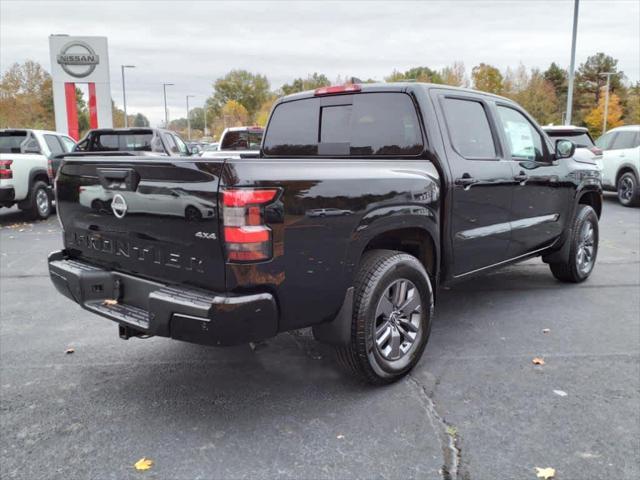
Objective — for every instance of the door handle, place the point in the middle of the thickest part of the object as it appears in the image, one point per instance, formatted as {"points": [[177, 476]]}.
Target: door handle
{"points": [[465, 181], [521, 178]]}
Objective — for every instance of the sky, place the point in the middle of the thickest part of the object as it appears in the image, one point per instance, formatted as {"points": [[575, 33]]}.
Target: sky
{"points": [[191, 43]]}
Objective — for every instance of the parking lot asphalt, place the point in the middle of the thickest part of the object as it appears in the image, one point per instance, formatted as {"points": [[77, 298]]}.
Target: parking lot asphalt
{"points": [[476, 407]]}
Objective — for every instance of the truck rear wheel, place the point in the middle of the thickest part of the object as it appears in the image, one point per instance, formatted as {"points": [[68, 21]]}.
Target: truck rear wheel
{"points": [[39, 204], [583, 248], [392, 311]]}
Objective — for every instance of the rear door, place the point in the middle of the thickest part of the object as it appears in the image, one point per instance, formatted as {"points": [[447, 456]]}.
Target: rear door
{"points": [[480, 205], [130, 215]]}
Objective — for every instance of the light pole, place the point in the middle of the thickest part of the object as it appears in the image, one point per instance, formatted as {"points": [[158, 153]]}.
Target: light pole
{"points": [[166, 113], [205, 119], [189, 118], [606, 100], [572, 67], [124, 94]]}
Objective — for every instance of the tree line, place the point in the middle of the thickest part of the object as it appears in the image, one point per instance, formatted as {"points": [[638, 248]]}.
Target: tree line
{"points": [[26, 101], [243, 98]]}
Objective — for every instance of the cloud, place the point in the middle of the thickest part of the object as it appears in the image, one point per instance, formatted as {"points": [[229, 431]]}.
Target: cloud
{"points": [[193, 43]]}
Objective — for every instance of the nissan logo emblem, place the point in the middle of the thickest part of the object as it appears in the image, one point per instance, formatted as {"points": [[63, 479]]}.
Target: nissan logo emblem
{"points": [[119, 206], [78, 59]]}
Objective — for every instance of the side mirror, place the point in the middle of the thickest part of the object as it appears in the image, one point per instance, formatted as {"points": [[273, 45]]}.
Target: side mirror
{"points": [[195, 150], [565, 149]]}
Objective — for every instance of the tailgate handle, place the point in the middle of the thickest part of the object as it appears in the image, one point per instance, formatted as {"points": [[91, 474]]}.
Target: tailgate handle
{"points": [[119, 178]]}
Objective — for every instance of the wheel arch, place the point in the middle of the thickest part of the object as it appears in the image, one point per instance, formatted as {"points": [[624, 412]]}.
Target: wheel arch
{"points": [[593, 198], [624, 168], [415, 241]]}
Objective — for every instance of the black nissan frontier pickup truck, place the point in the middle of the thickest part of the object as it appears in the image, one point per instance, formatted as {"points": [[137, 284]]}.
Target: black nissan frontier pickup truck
{"points": [[364, 200]]}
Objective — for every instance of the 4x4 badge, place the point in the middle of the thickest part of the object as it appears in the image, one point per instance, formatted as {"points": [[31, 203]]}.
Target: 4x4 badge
{"points": [[119, 206]]}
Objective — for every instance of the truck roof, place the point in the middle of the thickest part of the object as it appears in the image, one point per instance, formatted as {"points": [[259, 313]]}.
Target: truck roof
{"points": [[396, 87], [35, 130]]}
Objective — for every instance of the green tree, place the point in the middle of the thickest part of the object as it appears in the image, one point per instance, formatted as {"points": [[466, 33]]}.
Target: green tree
{"points": [[533, 92], [589, 78], [140, 120], [557, 77], [416, 74], [248, 89], [487, 78], [632, 112], [454, 75], [313, 81], [26, 97]]}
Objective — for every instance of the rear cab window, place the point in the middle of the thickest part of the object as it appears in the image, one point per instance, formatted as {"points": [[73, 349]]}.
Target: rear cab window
{"points": [[117, 142], [364, 124], [12, 141], [242, 140]]}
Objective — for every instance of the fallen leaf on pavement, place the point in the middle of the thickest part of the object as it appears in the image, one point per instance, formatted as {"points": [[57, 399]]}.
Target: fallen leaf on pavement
{"points": [[110, 301], [69, 351], [143, 464], [562, 393], [545, 473], [538, 361]]}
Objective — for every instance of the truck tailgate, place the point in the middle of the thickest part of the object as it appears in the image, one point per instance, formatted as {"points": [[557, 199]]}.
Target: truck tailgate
{"points": [[152, 217]]}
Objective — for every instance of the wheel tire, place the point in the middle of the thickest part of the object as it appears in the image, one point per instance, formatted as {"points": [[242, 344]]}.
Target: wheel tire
{"points": [[39, 204], [192, 214], [628, 190], [573, 270], [379, 271], [97, 205]]}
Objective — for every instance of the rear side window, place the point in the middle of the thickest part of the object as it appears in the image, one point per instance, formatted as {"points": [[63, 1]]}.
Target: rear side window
{"points": [[605, 141], [68, 144], [367, 124], [469, 128], [54, 144], [625, 139]]}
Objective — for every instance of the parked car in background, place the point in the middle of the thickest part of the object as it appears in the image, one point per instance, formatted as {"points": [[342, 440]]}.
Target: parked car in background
{"points": [[138, 141], [28, 167], [420, 185], [211, 147], [237, 142], [586, 149], [621, 163]]}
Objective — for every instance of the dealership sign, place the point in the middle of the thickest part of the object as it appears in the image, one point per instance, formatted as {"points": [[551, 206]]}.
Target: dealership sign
{"points": [[78, 59]]}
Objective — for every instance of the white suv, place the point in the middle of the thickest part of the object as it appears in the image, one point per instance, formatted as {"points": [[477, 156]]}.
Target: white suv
{"points": [[26, 168], [621, 163]]}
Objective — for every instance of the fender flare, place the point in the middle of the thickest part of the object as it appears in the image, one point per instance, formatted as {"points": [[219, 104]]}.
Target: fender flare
{"points": [[388, 219], [33, 173], [561, 253], [376, 222]]}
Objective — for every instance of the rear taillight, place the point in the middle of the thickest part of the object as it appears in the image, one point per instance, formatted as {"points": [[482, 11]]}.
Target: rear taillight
{"points": [[5, 169], [247, 237], [596, 150], [336, 89], [50, 171]]}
